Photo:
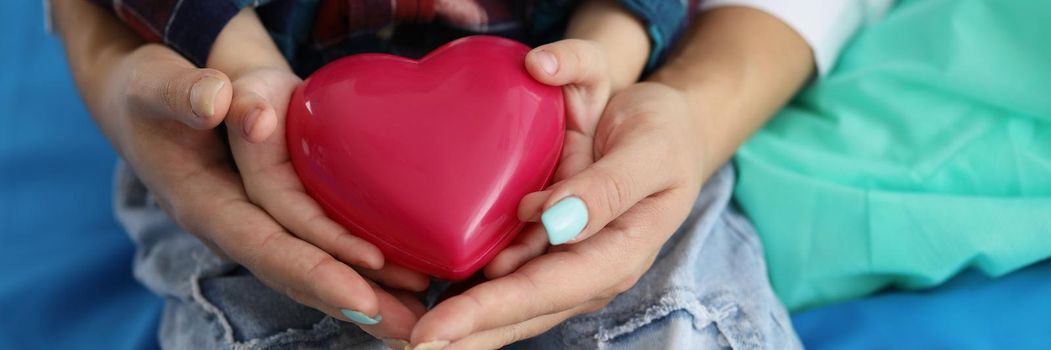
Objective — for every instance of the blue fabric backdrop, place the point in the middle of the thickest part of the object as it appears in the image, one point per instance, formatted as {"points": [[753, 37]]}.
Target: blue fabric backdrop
{"points": [[65, 265]]}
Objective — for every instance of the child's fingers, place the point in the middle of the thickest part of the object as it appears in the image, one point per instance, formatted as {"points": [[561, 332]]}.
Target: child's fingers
{"points": [[252, 116], [398, 277], [269, 178], [400, 314], [570, 61], [579, 67], [179, 91], [280, 194], [531, 243]]}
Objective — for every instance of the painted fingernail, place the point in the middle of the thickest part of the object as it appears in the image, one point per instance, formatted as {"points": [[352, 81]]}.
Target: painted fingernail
{"points": [[203, 95], [395, 344], [251, 120], [361, 318], [565, 220], [431, 345], [547, 62]]}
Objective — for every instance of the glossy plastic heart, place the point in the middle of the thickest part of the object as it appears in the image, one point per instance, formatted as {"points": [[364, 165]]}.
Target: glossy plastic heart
{"points": [[428, 160]]}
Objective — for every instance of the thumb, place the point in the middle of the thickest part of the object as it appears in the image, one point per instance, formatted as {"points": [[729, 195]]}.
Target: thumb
{"points": [[570, 61], [260, 101], [584, 203], [176, 90], [580, 68]]}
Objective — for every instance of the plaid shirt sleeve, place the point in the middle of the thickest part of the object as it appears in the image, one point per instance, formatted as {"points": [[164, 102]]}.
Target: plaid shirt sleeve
{"points": [[188, 26], [191, 26]]}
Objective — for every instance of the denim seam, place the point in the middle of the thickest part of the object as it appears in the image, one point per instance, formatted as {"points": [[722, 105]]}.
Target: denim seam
{"points": [[327, 327], [226, 329], [736, 222], [741, 333], [702, 317]]}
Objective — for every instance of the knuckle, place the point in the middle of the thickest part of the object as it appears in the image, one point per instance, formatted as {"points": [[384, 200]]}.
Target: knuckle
{"points": [[540, 304], [318, 268], [514, 333], [626, 284], [136, 87], [616, 188], [255, 254], [582, 56], [584, 49], [171, 95], [598, 305]]}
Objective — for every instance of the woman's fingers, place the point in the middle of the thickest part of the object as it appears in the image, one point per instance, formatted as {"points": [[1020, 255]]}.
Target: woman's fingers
{"points": [[550, 284], [583, 204], [603, 170], [399, 312], [249, 236], [499, 337], [632, 145], [170, 87], [592, 271]]}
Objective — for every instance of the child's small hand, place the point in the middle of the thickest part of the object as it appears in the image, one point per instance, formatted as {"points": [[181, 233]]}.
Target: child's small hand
{"points": [[580, 68], [256, 128], [262, 87]]}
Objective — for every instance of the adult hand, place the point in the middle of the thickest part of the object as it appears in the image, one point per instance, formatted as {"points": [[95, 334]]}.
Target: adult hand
{"points": [[653, 147], [641, 186], [150, 97]]}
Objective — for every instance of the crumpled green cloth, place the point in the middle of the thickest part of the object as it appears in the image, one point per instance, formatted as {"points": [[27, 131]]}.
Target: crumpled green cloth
{"points": [[925, 152]]}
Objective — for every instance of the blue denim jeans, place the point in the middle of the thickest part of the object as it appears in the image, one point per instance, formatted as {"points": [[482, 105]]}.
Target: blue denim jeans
{"points": [[708, 289]]}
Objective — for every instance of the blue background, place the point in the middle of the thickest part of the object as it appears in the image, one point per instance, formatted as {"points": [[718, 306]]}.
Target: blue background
{"points": [[65, 265]]}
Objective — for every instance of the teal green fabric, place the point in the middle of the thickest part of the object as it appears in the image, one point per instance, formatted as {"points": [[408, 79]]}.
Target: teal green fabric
{"points": [[926, 151]]}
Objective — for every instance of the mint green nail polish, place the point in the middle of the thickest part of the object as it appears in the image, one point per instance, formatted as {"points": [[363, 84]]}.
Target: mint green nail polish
{"points": [[565, 220], [361, 318]]}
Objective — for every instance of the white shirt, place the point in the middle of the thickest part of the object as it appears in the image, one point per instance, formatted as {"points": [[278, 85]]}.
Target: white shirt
{"points": [[826, 25]]}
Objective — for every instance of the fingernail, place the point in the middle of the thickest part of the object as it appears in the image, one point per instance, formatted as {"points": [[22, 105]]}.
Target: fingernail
{"points": [[395, 344], [361, 318], [203, 95], [251, 120], [547, 62], [565, 220], [431, 345]]}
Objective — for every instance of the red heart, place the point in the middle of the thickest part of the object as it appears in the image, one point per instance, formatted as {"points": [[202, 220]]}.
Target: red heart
{"points": [[428, 160]]}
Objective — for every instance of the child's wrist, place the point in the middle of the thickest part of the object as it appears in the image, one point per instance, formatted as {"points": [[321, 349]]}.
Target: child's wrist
{"points": [[620, 35], [243, 46]]}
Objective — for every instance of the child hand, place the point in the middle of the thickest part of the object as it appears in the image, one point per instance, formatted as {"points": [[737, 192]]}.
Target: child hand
{"points": [[580, 68], [256, 128]]}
